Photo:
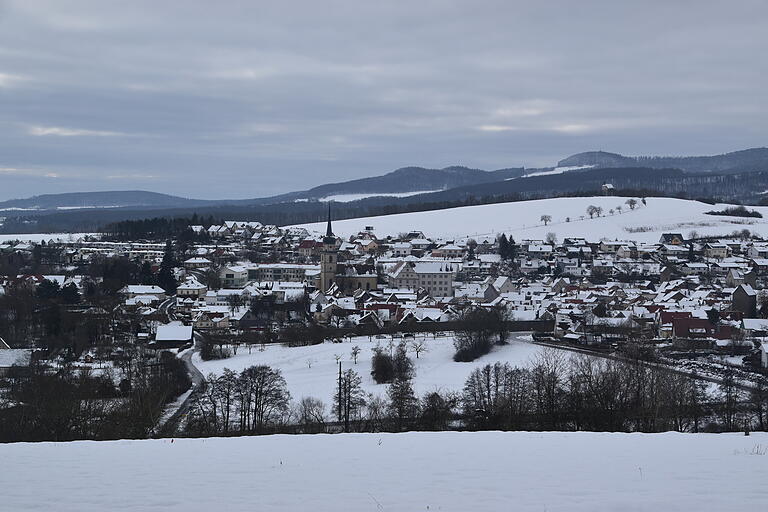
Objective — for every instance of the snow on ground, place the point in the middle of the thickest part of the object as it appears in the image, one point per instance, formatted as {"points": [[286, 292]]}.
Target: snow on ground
{"points": [[446, 471], [38, 237], [435, 369], [556, 170], [87, 207], [522, 220], [345, 198]]}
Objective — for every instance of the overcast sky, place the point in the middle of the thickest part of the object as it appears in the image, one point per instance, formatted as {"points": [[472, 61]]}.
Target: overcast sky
{"points": [[236, 99]]}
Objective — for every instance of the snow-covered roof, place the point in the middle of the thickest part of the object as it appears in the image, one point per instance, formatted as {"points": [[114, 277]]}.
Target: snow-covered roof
{"points": [[143, 289], [15, 356], [174, 331]]}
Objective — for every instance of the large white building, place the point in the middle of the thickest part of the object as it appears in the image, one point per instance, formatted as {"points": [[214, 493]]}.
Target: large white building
{"points": [[435, 277], [236, 276]]}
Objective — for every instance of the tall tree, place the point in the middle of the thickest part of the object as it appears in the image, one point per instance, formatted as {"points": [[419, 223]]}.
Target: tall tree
{"points": [[403, 404], [349, 397], [503, 247], [165, 278]]}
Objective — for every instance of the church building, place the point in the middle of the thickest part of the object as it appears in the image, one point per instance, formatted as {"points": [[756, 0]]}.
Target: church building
{"points": [[339, 277]]}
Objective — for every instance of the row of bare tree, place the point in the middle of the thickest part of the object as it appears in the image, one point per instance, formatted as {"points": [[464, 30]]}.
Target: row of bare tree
{"points": [[41, 403], [553, 392]]}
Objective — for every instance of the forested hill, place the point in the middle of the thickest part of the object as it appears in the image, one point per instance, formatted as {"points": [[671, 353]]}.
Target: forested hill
{"points": [[748, 160], [108, 199], [634, 181], [403, 180]]}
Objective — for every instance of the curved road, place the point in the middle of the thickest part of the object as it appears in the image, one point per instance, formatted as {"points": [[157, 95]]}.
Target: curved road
{"points": [[171, 425]]}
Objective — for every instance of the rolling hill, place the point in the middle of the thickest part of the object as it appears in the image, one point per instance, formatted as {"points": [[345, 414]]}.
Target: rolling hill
{"points": [[739, 178], [95, 200], [748, 160], [522, 219]]}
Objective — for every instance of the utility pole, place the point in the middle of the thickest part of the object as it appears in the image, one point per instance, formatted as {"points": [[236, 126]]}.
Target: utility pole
{"points": [[339, 411]]}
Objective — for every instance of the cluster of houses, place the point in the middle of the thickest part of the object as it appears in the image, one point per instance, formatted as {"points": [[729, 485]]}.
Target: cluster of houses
{"points": [[704, 291]]}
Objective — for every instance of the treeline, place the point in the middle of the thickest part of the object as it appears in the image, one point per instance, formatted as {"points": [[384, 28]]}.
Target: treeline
{"points": [[742, 187], [553, 392], [736, 211], [69, 403], [159, 228]]}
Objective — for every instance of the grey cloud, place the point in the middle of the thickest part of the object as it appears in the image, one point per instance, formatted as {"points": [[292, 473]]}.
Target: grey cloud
{"points": [[256, 98]]}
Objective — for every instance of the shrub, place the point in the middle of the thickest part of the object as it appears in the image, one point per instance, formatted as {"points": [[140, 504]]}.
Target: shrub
{"points": [[382, 366], [736, 211]]}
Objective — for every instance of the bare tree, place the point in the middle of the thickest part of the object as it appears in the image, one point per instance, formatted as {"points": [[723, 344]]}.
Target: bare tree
{"points": [[591, 210], [310, 415], [263, 397], [631, 203], [419, 347], [355, 352], [234, 302], [349, 397], [551, 238], [546, 219]]}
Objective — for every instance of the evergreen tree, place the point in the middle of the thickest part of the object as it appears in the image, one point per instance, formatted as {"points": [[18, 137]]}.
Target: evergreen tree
{"points": [[403, 404], [165, 277], [145, 274], [69, 294], [48, 290], [503, 247]]}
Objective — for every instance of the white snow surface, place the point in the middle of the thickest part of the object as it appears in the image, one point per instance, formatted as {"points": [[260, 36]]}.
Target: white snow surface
{"points": [[345, 198], [38, 237], [441, 471], [435, 369], [522, 220], [556, 170]]}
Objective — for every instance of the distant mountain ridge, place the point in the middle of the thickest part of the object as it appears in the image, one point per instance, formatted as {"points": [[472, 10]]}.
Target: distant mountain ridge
{"points": [[421, 184], [404, 180], [400, 181], [107, 199], [748, 160]]}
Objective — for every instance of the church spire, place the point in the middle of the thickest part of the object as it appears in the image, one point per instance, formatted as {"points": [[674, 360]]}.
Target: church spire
{"points": [[329, 231]]}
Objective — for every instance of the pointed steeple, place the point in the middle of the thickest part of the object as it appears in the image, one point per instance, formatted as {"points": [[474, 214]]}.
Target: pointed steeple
{"points": [[329, 231], [330, 238]]}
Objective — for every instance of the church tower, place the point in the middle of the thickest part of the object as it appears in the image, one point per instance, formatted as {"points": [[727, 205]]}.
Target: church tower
{"points": [[328, 257]]}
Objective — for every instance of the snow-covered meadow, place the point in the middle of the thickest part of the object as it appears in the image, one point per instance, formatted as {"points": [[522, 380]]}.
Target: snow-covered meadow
{"points": [[447, 471], [523, 220], [39, 237], [313, 370]]}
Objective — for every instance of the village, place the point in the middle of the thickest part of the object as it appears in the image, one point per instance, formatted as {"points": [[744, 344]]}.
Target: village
{"points": [[693, 304]]}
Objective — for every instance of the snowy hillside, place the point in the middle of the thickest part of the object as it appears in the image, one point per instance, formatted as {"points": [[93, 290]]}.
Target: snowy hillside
{"points": [[522, 220], [38, 237], [312, 370], [448, 471], [346, 198]]}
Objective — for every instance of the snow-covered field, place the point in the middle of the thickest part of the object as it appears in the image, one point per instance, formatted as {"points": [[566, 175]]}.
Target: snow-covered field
{"points": [[346, 198], [522, 220], [313, 370], [38, 237], [446, 471], [556, 170]]}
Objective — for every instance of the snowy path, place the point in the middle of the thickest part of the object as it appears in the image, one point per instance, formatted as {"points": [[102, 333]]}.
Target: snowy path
{"points": [[451, 471]]}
